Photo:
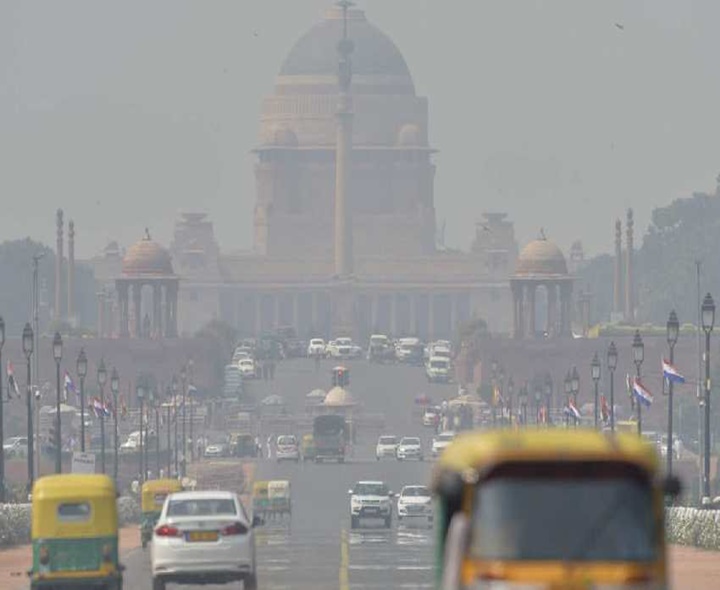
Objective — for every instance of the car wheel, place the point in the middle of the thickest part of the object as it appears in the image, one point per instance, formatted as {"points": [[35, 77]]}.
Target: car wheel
{"points": [[354, 522], [250, 583], [158, 583]]}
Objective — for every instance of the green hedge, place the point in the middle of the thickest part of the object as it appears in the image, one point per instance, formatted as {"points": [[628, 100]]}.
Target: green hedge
{"points": [[694, 527]]}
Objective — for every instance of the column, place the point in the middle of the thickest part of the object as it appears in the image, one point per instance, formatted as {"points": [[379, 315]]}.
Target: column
{"points": [[453, 313], [296, 312], [531, 288], [521, 310], [314, 312], [565, 293], [137, 306], [174, 306], [168, 311], [123, 290], [157, 305], [393, 314], [258, 309], [373, 312], [276, 311], [552, 309], [413, 314], [101, 314], [431, 316]]}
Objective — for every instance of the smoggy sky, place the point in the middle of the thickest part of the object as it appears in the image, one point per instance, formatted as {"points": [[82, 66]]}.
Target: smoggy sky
{"points": [[124, 113]]}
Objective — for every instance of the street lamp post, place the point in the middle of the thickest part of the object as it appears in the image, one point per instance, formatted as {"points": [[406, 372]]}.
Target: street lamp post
{"points": [[175, 420], [150, 406], [57, 355], [548, 397], [523, 400], [102, 379], [708, 322], [168, 393], [612, 358], [575, 386], [157, 436], [638, 348], [2, 401], [595, 374], [114, 389], [538, 398], [140, 388], [567, 383], [183, 380], [510, 391], [28, 344], [82, 372], [673, 330]]}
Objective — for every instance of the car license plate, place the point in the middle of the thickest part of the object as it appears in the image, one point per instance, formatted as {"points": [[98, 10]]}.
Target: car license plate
{"points": [[371, 510], [202, 536]]}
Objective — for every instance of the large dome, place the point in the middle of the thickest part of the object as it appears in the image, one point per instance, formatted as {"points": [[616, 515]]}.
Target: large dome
{"points": [[541, 258], [375, 56], [339, 396], [147, 257]]}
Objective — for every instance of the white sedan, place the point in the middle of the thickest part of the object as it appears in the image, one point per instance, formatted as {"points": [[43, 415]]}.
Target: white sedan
{"points": [[246, 367], [415, 502], [203, 538]]}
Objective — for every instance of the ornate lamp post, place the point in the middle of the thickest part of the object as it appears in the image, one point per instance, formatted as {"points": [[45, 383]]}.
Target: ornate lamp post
{"points": [[57, 355], [102, 379], [638, 348], [28, 344], [567, 383], [612, 358], [190, 365], [538, 399], [523, 399], [168, 394], [510, 392], [595, 374], [175, 420], [183, 379], [575, 387], [150, 407], [708, 322], [140, 389], [493, 381], [82, 373], [2, 401], [157, 434], [673, 331], [548, 396], [114, 388]]}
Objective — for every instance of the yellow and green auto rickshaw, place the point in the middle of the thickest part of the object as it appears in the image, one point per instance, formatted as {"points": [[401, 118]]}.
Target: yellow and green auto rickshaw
{"points": [[280, 503], [260, 499], [307, 447], [561, 509], [153, 496], [75, 533]]}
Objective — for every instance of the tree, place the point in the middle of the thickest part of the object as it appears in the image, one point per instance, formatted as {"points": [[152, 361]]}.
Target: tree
{"points": [[222, 338]]}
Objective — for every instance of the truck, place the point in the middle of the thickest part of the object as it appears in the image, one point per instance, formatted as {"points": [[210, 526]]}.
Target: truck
{"points": [[330, 436]]}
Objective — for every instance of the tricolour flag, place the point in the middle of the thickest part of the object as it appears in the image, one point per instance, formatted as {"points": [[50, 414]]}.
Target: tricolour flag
{"points": [[604, 409], [12, 382], [69, 385], [641, 393], [497, 397], [671, 373], [571, 410]]}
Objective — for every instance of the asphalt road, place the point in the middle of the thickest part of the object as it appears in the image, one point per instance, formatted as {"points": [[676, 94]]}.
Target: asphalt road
{"points": [[316, 548]]}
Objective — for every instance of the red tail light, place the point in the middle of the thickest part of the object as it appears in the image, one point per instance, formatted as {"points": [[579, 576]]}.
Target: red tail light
{"points": [[236, 528], [167, 531]]}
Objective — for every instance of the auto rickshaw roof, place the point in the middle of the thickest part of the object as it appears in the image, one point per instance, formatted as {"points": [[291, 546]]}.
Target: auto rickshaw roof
{"points": [[54, 487], [478, 451], [165, 484]]}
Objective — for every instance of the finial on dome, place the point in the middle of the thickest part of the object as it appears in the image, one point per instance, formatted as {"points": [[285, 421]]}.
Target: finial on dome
{"points": [[147, 235], [543, 237]]}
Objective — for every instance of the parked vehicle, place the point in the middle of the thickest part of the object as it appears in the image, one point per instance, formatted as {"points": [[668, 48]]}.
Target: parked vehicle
{"points": [[441, 441], [15, 446]]}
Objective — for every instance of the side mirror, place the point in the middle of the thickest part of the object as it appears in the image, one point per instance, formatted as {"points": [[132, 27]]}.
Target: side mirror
{"points": [[257, 521], [672, 486]]}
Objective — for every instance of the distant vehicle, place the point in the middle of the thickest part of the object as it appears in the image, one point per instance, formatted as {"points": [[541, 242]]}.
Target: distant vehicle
{"points": [[233, 385], [409, 448], [380, 349], [307, 447], [441, 441], [409, 351], [316, 348], [370, 499], [286, 448], [217, 449], [386, 446], [437, 369], [242, 352], [243, 445], [132, 443], [415, 502], [431, 416], [203, 537], [343, 348], [246, 367], [15, 446], [330, 436]]}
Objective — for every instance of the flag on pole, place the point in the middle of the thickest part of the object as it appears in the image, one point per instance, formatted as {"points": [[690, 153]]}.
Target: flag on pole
{"points": [[571, 410], [69, 386], [604, 409], [12, 383], [123, 408], [640, 391], [670, 372], [497, 396], [97, 407]]}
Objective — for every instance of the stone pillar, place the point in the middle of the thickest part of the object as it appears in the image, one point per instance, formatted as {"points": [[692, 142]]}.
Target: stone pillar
{"points": [[71, 272], [431, 316], [629, 271], [565, 307], [314, 312], [123, 289], [137, 306], [373, 312], [617, 283], [173, 325], [101, 314], [296, 312], [58, 263], [157, 313], [453, 313], [276, 311], [521, 310], [531, 289], [258, 313], [413, 314], [393, 314], [168, 310], [552, 309]]}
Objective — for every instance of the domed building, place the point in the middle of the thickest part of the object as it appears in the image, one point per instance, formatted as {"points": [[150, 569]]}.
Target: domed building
{"points": [[541, 265]]}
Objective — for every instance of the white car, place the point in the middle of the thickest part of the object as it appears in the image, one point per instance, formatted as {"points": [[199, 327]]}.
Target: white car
{"points": [[316, 347], [15, 446], [370, 500], [440, 442], [203, 538], [287, 448], [216, 449], [415, 502], [343, 348], [437, 370], [132, 443], [409, 448], [386, 446], [246, 367], [431, 416]]}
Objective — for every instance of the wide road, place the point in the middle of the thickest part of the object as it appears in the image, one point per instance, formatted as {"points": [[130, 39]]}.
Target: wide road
{"points": [[316, 548]]}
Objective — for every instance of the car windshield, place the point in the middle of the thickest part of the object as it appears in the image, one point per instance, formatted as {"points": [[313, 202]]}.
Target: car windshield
{"points": [[415, 492], [371, 489], [316, 342], [438, 364], [531, 513], [387, 440], [378, 340], [286, 440], [410, 441], [201, 507], [445, 437]]}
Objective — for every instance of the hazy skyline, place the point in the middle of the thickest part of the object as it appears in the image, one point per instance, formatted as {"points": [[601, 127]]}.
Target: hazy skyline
{"points": [[125, 114]]}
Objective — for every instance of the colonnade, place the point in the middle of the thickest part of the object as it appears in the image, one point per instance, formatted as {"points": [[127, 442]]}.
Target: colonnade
{"points": [[559, 301], [148, 323]]}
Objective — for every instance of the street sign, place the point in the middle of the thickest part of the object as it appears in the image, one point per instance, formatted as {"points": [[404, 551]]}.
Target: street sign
{"points": [[83, 462]]}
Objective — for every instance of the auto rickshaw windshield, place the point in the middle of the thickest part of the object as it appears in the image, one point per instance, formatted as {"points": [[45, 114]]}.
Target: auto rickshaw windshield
{"points": [[601, 511]]}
